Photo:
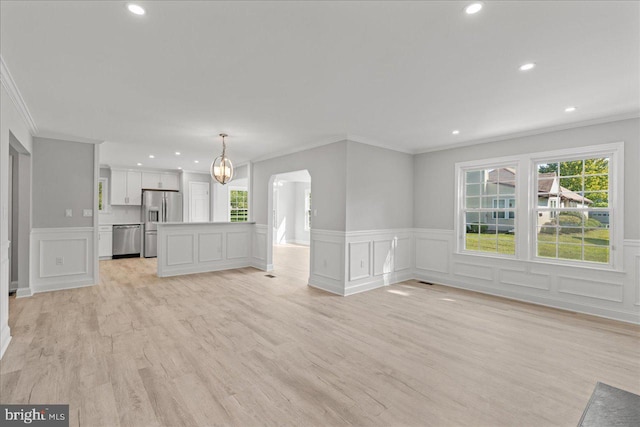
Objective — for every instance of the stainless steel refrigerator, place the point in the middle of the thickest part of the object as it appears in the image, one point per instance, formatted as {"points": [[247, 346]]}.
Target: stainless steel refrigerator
{"points": [[158, 206]]}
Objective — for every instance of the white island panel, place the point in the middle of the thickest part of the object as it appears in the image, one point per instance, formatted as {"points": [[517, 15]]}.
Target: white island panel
{"points": [[187, 248]]}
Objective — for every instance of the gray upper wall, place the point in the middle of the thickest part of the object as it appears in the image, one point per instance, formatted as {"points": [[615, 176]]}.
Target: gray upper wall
{"points": [[434, 172], [327, 167], [63, 178], [379, 188]]}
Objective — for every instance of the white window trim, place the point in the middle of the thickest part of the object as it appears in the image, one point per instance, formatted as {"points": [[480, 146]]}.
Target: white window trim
{"points": [[526, 203], [460, 226]]}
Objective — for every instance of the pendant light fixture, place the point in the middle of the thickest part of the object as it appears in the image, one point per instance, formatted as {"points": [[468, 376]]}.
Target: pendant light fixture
{"points": [[221, 167]]}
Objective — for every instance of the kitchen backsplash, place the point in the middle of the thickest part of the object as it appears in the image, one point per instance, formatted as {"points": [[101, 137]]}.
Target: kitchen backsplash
{"points": [[121, 215]]}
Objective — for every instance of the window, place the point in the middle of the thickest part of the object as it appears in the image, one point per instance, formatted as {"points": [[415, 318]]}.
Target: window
{"points": [[238, 205], [489, 209], [307, 210], [573, 209], [567, 204], [103, 191]]}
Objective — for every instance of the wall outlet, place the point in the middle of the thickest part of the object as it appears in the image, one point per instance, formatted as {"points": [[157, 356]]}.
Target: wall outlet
{"points": [[68, 213], [59, 260], [87, 212], [315, 212]]}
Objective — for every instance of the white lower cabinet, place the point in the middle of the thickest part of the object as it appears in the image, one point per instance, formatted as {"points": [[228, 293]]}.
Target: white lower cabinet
{"points": [[105, 241]]}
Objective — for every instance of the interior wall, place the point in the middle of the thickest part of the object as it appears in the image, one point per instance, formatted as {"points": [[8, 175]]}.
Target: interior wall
{"points": [[301, 236], [10, 123], [434, 172], [13, 217], [327, 167], [285, 223], [63, 178], [379, 188]]}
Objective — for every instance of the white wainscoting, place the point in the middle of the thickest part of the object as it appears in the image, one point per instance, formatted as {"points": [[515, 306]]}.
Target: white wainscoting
{"points": [[377, 258], [327, 260], [346, 263], [186, 248], [601, 292], [259, 254], [5, 330], [61, 258]]}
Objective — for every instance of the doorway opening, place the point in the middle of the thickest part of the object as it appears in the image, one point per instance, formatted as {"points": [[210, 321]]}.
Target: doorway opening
{"points": [[19, 217], [291, 222]]}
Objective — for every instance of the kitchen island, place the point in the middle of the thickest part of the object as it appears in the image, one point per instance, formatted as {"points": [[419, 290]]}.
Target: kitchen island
{"points": [[197, 247]]}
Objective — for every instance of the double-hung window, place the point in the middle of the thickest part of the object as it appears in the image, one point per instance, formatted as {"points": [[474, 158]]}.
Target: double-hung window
{"points": [[238, 205], [568, 203], [573, 208], [488, 209]]}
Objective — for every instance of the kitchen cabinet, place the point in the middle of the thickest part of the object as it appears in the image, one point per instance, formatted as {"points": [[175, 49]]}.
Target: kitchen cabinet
{"points": [[126, 187], [105, 241], [160, 181]]}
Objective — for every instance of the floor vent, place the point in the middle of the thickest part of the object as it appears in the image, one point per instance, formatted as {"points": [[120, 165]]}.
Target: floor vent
{"points": [[425, 283], [270, 276]]}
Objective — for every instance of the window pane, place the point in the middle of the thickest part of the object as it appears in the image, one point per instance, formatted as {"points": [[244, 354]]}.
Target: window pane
{"points": [[507, 243], [596, 236], [596, 166], [599, 199], [548, 235], [474, 176], [473, 202], [596, 254], [547, 250], [473, 190], [568, 251], [572, 184], [472, 217], [571, 168], [508, 187]]}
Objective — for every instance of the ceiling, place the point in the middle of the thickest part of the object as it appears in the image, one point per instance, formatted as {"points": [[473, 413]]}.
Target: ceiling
{"points": [[281, 76]]}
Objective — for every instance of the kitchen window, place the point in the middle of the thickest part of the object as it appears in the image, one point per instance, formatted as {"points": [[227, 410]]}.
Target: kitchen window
{"points": [[238, 205]]}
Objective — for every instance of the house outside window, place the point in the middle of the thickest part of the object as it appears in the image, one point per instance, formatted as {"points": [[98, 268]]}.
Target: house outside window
{"points": [[569, 211], [489, 209], [570, 226], [238, 205]]}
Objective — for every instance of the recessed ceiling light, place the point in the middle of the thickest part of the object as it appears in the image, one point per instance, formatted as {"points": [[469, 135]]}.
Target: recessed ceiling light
{"points": [[139, 164], [570, 109], [177, 153], [528, 66], [135, 9], [151, 156], [455, 132], [196, 161], [180, 167], [473, 8]]}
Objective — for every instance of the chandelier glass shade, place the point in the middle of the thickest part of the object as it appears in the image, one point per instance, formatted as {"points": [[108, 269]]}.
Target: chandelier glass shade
{"points": [[221, 167]]}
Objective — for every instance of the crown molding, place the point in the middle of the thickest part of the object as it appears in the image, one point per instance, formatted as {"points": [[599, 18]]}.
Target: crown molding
{"points": [[16, 97], [532, 132], [65, 137]]}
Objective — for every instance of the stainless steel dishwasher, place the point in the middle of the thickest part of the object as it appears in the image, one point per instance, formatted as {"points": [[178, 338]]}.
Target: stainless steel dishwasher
{"points": [[126, 240]]}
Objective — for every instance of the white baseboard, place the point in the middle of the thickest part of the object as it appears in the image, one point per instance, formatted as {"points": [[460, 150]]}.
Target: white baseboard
{"points": [[379, 282], [327, 285], [59, 286], [23, 292], [5, 339], [261, 264]]}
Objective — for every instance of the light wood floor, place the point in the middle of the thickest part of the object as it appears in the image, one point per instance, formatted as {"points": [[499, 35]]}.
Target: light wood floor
{"points": [[237, 348]]}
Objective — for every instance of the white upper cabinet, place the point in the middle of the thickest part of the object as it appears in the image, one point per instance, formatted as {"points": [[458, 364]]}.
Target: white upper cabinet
{"points": [[160, 181], [151, 180], [170, 181], [126, 187]]}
